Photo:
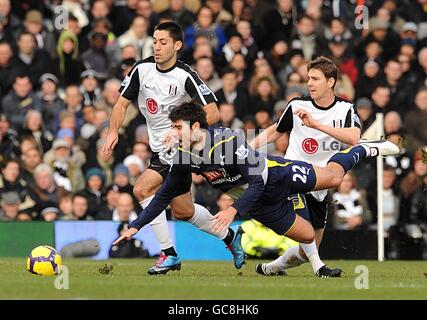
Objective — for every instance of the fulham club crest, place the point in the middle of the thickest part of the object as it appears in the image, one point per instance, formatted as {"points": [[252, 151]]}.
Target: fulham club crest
{"points": [[172, 90]]}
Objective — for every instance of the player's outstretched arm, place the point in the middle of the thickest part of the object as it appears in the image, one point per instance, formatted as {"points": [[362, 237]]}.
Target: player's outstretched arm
{"points": [[212, 113], [116, 120], [267, 136]]}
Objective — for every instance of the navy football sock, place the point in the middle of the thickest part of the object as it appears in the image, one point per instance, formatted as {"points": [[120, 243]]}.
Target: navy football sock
{"points": [[350, 157]]}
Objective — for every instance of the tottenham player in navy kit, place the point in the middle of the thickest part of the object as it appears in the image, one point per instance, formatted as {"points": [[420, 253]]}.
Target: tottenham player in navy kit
{"points": [[267, 183], [318, 126], [159, 84]]}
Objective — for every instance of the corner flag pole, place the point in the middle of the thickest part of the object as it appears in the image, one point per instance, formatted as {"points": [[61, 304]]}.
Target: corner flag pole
{"points": [[380, 169]]}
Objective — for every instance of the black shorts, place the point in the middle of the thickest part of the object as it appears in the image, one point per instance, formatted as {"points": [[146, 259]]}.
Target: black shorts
{"points": [[157, 165], [318, 210]]}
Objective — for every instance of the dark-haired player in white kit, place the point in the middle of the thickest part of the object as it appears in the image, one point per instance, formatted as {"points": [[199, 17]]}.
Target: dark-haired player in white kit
{"points": [[160, 83], [318, 125]]}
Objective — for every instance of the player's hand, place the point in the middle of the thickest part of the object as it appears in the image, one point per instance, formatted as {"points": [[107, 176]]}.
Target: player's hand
{"points": [[306, 118], [108, 147], [170, 139], [223, 219], [126, 236]]}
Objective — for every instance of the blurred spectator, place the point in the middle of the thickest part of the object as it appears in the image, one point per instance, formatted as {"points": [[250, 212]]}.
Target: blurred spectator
{"points": [[89, 88], [401, 93], [121, 179], [34, 24], [221, 16], [80, 209], [50, 214], [277, 55], [9, 144], [135, 166], [206, 71], [137, 35], [422, 73], [390, 199], [232, 93], [178, 12], [227, 117], [306, 38], [6, 68], [66, 206], [234, 45], [205, 24], [10, 181], [392, 122], [10, 203], [93, 190], [27, 143], [342, 55], [11, 23], [413, 207], [19, 100], [350, 212], [105, 212], [281, 145], [29, 59], [124, 211], [280, 19], [381, 98], [46, 190], [130, 248], [96, 58], [34, 126], [244, 28], [416, 121], [264, 96], [68, 65], [67, 173], [142, 151], [381, 32], [51, 103], [144, 9], [73, 104], [262, 118], [30, 160], [368, 79], [365, 112]]}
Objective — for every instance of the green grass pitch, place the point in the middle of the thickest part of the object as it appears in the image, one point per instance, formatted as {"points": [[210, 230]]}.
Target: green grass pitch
{"points": [[212, 280]]}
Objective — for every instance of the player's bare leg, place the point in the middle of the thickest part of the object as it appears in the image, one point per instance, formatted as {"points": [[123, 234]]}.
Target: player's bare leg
{"points": [[145, 188], [183, 208]]}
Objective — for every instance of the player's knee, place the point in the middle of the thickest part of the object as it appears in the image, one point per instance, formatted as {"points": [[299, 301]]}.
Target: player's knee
{"points": [[182, 214], [308, 236], [142, 192]]}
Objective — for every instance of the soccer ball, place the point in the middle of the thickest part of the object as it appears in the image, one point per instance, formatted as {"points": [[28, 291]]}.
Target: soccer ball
{"points": [[44, 261]]}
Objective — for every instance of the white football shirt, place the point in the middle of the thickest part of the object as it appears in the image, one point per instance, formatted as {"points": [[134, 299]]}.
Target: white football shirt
{"points": [[159, 91], [312, 145]]}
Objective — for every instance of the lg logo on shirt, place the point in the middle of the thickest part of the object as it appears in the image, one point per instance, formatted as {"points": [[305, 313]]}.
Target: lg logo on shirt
{"points": [[152, 106], [310, 145]]}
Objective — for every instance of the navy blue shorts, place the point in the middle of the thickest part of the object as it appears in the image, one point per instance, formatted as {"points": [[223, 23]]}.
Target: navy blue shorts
{"points": [[282, 216]]}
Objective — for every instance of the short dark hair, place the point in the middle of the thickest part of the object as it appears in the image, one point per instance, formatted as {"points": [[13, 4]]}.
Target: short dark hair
{"points": [[329, 69], [174, 29], [189, 112]]}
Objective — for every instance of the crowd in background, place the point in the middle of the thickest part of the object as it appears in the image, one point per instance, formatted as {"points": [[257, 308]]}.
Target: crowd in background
{"points": [[58, 84]]}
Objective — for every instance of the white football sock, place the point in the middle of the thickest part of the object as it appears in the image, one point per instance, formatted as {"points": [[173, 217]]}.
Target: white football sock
{"points": [[290, 259], [310, 250], [160, 226], [202, 220]]}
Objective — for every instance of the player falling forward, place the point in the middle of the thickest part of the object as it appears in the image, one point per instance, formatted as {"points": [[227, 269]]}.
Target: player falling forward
{"points": [[159, 84], [223, 157]]}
